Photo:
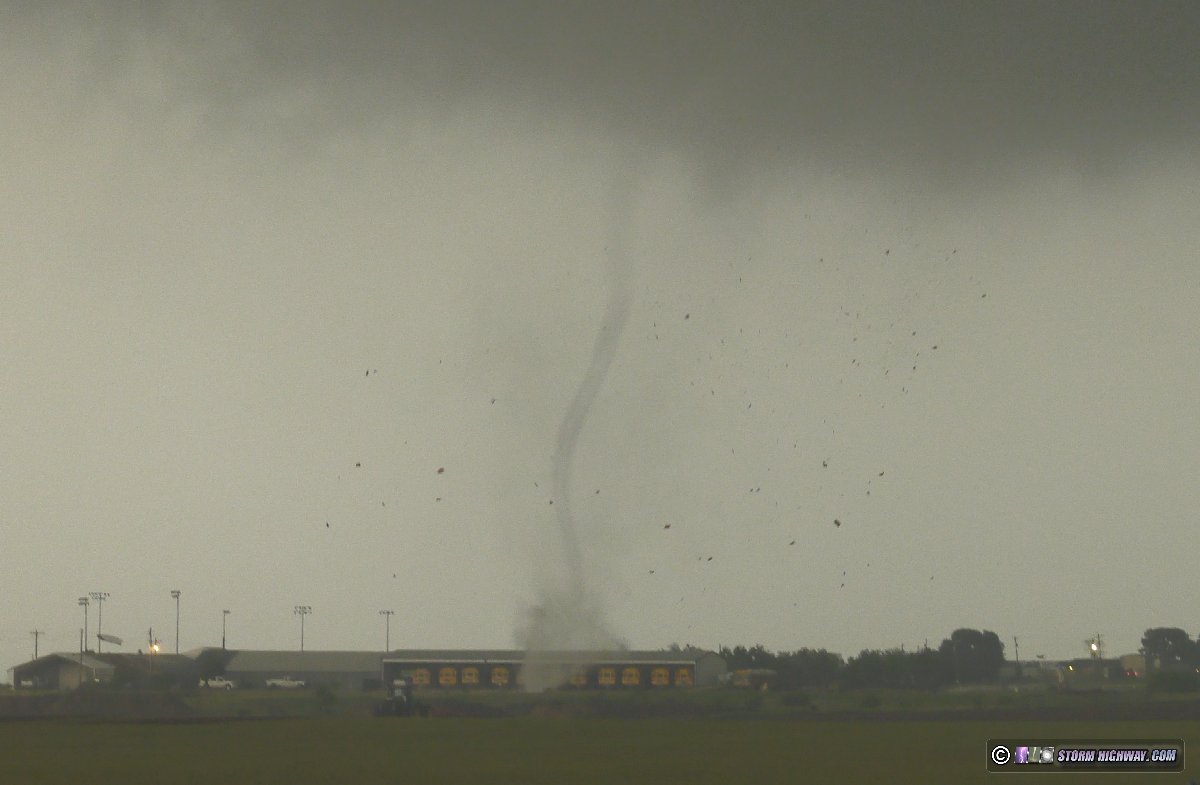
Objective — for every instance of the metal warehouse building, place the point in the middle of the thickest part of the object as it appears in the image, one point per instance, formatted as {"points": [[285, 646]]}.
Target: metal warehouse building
{"points": [[348, 670], [507, 668]]}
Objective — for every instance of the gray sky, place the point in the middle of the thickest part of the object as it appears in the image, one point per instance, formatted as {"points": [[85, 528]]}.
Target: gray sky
{"points": [[218, 219]]}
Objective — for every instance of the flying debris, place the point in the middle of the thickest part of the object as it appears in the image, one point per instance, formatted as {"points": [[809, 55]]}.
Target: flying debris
{"points": [[326, 524], [793, 542], [881, 474], [441, 470], [667, 526], [688, 315], [836, 522], [358, 466], [710, 558], [824, 464]]}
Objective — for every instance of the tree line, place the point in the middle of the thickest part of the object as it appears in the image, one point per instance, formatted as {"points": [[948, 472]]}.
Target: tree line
{"points": [[968, 656]]}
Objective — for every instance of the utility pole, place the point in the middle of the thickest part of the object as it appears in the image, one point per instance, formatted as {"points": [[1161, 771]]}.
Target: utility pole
{"points": [[1017, 655], [36, 634], [175, 595], [387, 629], [224, 615], [151, 650], [83, 603], [302, 611], [99, 597]]}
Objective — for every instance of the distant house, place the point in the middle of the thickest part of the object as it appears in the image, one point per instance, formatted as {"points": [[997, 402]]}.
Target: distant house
{"points": [[1090, 673], [68, 670]]}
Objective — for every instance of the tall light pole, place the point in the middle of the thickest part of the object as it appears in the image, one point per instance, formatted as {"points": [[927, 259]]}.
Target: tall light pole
{"points": [[36, 634], [387, 629], [224, 615], [83, 603], [99, 597], [175, 595], [302, 611]]}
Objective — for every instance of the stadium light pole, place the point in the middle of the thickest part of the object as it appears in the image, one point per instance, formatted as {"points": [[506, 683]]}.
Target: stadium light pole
{"points": [[387, 629], [224, 615], [99, 597], [83, 603], [175, 595], [302, 611]]}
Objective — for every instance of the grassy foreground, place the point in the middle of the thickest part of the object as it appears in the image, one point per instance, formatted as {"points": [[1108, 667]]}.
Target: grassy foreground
{"points": [[534, 750]]}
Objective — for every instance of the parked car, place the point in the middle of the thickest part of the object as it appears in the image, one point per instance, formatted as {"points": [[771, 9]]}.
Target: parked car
{"points": [[217, 682], [286, 683]]}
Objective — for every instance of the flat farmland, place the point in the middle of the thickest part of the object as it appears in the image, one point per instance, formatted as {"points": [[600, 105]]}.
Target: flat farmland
{"points": [[531, 750]]}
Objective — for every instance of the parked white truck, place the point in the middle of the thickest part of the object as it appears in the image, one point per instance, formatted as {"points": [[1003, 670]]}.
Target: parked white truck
{"points": [[217, 682], [286, 683]]}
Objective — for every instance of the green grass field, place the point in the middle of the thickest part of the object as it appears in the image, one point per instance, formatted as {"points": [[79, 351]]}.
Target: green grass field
{"points": [[532, 750]]}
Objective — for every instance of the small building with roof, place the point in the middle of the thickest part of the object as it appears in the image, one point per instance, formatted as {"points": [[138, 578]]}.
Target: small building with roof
{"points": [[69, 670]]}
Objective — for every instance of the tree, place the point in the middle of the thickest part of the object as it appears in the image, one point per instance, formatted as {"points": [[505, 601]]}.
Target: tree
{"points": [[211, 662], [1169, 648], [875, 668], [972, 656], [755, 657]]}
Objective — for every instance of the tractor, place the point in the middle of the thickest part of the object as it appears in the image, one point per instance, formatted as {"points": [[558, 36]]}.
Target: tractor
{"points": [[400, 701]]}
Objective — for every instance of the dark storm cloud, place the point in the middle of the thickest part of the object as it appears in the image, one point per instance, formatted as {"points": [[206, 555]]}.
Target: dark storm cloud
{"points": [[944, 86]]}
